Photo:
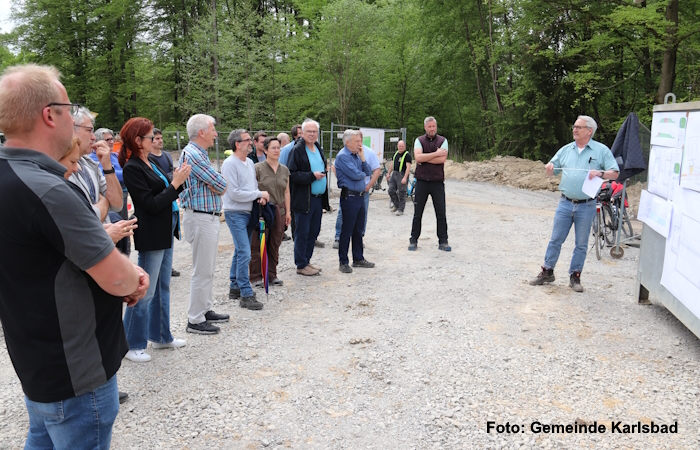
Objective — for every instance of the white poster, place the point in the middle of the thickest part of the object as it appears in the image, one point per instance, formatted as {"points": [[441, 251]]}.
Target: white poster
{"points": [[664, 170], [690, 172], [668, 129], [682, 256], [655, 212], [374, 139]]}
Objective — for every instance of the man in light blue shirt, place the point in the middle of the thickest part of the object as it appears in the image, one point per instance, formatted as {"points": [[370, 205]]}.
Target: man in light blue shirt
{"points": [[352, 169], [575, 161], [375, 167], [287, 149]]}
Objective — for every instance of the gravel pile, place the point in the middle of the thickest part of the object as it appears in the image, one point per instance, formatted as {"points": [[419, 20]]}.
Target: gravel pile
{"points": [[420, 352]]}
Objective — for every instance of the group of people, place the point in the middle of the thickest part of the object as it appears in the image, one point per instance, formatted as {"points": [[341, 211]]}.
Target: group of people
{"points": [[66, 191]]}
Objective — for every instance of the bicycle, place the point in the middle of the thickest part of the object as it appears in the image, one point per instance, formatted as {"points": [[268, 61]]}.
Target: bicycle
{"points": [[411, 188], [598, 232], [611, 204], [378, 184]]}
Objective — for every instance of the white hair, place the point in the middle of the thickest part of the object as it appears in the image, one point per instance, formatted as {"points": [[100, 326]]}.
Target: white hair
{"points": [[308, 121], [198, 122], [429, 119], [349, 134], [84, 113], [590, 123], [99, 134]]}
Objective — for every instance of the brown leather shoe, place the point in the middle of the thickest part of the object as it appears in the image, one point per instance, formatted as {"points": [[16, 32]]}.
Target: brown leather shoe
{"points": [[307, 271], [315, 267]]}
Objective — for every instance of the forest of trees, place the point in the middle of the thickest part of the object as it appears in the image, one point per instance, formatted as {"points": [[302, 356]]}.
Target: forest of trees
{"points": [[502, 77]]}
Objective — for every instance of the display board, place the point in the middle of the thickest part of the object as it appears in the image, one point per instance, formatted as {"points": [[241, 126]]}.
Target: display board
{"points": [[670, 211], [374, 139]]}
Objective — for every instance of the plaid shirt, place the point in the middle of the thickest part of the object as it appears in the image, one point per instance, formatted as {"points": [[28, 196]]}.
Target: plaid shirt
{"points": [[197, 194]]}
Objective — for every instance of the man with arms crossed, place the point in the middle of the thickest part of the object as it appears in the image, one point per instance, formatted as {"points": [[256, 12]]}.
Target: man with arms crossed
{"points": [[583, 158], [66, 357], [431, 153], [201, 201]]}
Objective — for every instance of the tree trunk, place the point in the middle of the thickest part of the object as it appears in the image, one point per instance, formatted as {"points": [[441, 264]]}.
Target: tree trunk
{"points": [[668, 68]]}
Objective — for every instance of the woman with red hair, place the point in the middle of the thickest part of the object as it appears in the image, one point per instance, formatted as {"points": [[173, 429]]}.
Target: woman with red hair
{"points": [[155, 204]]}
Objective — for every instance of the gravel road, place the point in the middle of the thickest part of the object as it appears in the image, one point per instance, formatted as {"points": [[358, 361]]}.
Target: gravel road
{"points": [[420, 352]]}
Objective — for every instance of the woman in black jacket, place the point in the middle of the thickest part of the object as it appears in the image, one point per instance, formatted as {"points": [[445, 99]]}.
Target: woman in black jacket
{"points": [[155, 204]]}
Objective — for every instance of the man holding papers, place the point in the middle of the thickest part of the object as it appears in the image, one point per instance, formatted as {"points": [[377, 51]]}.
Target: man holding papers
{"points": [[580, 160]]}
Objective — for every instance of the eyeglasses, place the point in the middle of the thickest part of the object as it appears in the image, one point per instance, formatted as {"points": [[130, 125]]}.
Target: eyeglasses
{"points": [[74, 107], [579, 127], [148, 137], [109, 140], [246, 140], [90, 129]]}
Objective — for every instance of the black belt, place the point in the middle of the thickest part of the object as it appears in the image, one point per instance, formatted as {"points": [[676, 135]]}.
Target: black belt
{"points": [[575, 202], [355, 193], [212, 213]]}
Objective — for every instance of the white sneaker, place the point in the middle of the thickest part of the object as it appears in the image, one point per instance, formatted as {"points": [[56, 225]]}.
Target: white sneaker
{"points": [[138, 356], [176, 343]]}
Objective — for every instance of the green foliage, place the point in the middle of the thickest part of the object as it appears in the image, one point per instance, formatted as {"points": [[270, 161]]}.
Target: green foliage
{"points": [[502, 77]]}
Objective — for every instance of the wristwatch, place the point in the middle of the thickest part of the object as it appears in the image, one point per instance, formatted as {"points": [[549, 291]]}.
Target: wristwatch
{"points": [[108, 171]]}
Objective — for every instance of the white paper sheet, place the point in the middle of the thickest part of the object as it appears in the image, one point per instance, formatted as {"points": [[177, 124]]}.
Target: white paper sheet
{"points": [[664, 170], [682, 256], [668, 129], [655, 212], [690, 172], [591, 187]]}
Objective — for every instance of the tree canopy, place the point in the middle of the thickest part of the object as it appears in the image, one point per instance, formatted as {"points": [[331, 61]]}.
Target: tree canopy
{"points": [[502, 77]]}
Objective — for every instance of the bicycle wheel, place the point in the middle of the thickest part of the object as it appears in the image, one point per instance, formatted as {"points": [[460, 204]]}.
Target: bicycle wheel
{"points": [[596, 234], [609, 225], [627, 225]]}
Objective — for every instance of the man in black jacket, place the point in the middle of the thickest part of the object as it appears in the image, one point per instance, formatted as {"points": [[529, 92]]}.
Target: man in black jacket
{"points": [[307, 181]]}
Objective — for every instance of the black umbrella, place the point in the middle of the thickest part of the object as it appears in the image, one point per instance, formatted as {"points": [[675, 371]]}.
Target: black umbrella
{"points": [[627, 149]]}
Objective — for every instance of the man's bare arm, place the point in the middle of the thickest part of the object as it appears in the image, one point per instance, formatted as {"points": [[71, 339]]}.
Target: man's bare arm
{"points": [[115, 274]]}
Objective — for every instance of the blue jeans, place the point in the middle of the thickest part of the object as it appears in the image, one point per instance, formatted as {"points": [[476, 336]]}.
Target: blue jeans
{"points": [[307, 229], [339, 219], [237, 222], [581, 215], [82, 422], [354, 208], [149, 319]]}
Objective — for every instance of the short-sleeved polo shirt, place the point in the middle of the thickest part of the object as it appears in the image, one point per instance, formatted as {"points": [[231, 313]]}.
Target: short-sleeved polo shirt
{"points": [[64, 334]]}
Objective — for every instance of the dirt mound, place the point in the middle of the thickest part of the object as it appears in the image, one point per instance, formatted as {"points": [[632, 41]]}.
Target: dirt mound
{"points": [[521, 173]]}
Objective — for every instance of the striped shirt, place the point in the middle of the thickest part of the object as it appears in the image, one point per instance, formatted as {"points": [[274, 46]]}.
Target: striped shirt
{"points": [[197, 195]]}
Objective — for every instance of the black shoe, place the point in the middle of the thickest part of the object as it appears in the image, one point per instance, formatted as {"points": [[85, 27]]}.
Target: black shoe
{"points": [[213, 317], [345, 268], [319, 244], [123, 396], [575, 282], [250, 303], [259, 284], [174, 273], [363, 263], [546, 276], [234, 293], [286, 237], [202, 328], [412, 246], [445, 247]]}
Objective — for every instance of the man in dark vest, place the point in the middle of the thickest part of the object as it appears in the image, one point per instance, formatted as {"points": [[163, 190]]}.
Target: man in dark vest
{"points": [[430, 151]]}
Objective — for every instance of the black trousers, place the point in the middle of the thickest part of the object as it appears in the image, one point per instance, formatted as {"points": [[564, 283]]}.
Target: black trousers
{"points": [[436, 191]]}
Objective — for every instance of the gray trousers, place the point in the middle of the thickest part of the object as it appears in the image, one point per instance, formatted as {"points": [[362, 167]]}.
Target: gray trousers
{"points": [[397, 191], [202, 232]]}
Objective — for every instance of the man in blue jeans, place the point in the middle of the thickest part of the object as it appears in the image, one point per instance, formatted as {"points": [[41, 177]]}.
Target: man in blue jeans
{"points": [[239, 171], [575, 161], [66, 357]]}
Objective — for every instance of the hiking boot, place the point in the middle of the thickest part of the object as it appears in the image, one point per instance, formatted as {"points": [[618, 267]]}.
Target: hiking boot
{"points": [[412, 246], [445, 247], [307, 271], [336, 244], [213, 317], [363, 263], [546, 276], [345, 268], [399, 213], [575, 281], [250, 303], [319, 244], [394, 209], [234, 293], [202, 328]]}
